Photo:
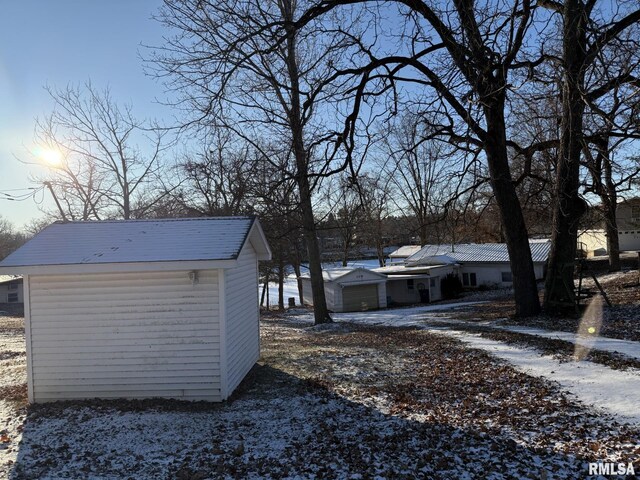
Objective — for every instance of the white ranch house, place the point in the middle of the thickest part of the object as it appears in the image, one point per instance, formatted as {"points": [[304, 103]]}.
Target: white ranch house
{"points": [[349, 289], [480, 263], [141, 308]]}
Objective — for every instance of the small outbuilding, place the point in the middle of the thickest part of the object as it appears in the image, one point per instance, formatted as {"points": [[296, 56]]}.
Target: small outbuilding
{"points": [[141, 308], [349, 289]]}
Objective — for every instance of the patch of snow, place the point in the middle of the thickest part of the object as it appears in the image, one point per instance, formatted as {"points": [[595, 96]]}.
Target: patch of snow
{"points": [[614, 345], [611, 390]]}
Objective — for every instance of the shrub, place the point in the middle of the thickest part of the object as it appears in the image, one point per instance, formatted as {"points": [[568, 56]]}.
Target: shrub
{"points": [[451, 286]]}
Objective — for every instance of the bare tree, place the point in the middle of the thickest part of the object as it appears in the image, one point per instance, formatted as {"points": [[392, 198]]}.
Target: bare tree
{"points": [[464, 54], [109, 159], [424, 172], [218, 180], [347, 214], [238, 67], [586, 33], [611, 128], [10, 239], [375, 192]]}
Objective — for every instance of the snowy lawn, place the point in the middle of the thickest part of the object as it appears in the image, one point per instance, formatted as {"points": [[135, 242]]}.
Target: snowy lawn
{"points": [[345, 400]]}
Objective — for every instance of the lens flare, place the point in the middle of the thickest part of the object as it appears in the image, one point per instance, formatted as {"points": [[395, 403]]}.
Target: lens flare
{"points": [[589, 329]]}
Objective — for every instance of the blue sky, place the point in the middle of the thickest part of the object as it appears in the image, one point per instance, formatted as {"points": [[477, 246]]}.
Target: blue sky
{"points": [[65, 42]]}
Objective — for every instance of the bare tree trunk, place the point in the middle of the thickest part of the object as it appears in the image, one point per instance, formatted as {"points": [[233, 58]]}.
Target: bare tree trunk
{"points": [[613, 241], [380, 252], [516, 236], [611, 207], [321, 313], [345, 253], [423, 232], [568, 206], [296, 268], [264, 291], [281, 283]]}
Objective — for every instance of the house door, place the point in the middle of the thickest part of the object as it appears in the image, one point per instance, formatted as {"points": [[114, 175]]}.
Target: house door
{"points": [[424, 293]]}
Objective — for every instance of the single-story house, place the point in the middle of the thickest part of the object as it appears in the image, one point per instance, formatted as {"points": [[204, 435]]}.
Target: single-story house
{"points": [[411, 285], [349, 289], [481, 263], [11, 290], [141, 308]]}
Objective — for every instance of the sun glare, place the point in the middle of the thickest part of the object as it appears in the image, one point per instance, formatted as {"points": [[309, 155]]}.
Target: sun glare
{"points": [[51, 156]]}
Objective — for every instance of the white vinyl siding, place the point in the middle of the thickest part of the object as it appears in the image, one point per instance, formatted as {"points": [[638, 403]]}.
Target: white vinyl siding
{"points": [[125, 335], [242, 325]]}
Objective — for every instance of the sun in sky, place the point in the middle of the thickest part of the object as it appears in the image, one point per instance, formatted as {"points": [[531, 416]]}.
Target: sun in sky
{"points": [[51, 156]]}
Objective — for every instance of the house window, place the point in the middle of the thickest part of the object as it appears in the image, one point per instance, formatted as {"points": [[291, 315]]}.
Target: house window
{"points": [[410, 284], [469, 279], [635, 212], [432, 282], [12, 297], [12, 286], [506, 277]]}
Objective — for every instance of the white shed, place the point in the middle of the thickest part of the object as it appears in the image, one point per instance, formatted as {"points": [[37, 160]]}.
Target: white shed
{"points": [[141, 308], [349, 289]]}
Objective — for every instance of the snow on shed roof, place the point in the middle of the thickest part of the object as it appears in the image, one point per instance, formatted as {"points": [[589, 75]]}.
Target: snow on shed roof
{"points": [[477, 252], [333, 274], [124, 241], [405, 251], [9, 278], [401, 269]]}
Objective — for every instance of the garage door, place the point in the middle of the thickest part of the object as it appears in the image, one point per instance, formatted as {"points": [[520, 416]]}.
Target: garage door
{"points": [[360, 297]]}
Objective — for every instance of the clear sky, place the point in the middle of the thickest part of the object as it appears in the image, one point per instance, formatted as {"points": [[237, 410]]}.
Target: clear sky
{"points": [[61, 42]]}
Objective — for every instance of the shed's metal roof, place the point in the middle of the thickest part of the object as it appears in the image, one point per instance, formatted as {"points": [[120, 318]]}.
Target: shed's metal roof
{"points": [[477, 252], [124, 241]]}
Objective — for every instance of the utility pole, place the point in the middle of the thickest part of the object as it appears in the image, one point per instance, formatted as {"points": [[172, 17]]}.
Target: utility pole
{"points": [[53, 194]]}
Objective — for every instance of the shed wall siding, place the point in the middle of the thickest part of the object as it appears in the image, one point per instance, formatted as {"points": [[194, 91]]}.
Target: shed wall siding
{"points": [[307, 294], [126, 335], [243, 327], [332, 294]]}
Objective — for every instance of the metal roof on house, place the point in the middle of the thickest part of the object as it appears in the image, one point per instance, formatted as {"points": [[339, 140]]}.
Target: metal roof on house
{"points": [[124, 241], [405, 251], [477, 252]]}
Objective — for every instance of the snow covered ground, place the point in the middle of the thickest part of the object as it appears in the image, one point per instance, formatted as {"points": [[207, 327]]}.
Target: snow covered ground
{"points": [[614, 345], [602, 387], [606, 389]]}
